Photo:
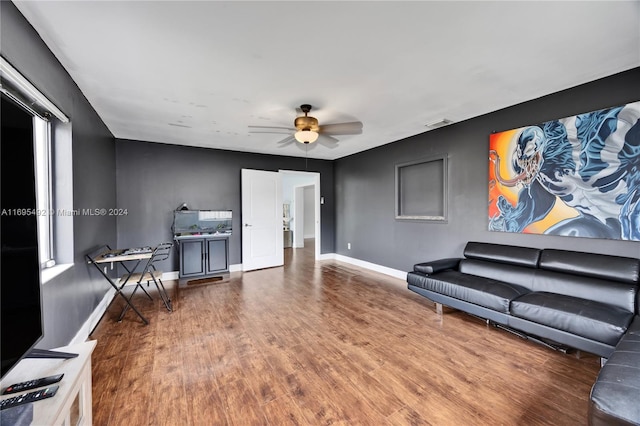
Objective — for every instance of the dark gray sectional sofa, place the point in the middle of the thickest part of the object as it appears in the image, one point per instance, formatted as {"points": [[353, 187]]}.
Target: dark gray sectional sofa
{"points": [[562, 298], [615, 397]]}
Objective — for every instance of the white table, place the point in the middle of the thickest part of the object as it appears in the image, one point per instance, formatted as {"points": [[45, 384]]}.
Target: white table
{"points": [[71, 405]]}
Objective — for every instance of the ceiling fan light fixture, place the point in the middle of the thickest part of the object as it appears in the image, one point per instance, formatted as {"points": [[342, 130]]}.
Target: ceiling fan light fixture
{"points": [[306, 136], [306, 122]]}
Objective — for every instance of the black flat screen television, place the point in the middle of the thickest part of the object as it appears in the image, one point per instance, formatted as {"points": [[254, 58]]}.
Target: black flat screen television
{"points": [[21, 324]]}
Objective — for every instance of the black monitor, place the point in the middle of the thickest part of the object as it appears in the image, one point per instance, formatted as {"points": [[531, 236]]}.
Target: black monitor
{"points": [[20, 292]]}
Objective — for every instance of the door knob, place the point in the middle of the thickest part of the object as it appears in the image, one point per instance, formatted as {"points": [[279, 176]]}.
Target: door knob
{"points": [[246, 224]]}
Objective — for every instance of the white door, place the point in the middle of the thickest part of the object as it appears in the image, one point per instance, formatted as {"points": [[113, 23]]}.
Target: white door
{"points": [[262, 236]]}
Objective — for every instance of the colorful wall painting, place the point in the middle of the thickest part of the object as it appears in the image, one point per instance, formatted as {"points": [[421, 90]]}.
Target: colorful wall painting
{"points": [[577, 176]]}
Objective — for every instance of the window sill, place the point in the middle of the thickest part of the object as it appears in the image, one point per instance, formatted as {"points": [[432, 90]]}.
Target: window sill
{"points": [[50, 273]]}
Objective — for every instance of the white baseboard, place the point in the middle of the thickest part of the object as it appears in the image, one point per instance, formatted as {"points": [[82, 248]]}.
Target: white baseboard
{"points": [[367, 265], [327, 256], [83, 334], [169, 276]]}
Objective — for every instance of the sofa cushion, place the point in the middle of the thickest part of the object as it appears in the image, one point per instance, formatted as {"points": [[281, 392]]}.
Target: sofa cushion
{"points": [[523, 256], [622, 295], [490, 293], [616, 392], [587, 318], [513, 274], [612, 268]]}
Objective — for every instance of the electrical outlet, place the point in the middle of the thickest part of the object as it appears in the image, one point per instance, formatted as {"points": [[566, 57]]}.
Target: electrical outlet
{"points": [[348, 246]]}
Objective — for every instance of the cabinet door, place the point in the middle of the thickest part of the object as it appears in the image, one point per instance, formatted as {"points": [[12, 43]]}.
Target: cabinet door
{"points": [[191, 258], [217, 255]]}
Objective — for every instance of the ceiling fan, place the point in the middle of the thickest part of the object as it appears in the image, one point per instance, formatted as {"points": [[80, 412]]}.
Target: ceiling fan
{"points": [[307, 130]]}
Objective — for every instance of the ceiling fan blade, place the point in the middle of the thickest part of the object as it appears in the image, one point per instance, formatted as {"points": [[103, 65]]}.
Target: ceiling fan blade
{"points": [[328, 141], [287, 141], [273, 127], [350, 128], [274, 131]]}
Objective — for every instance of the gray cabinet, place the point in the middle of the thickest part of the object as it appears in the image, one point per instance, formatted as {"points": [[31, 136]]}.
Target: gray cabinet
{"points": [[203, 257]]}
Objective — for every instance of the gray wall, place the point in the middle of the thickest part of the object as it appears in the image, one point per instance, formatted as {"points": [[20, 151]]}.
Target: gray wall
{"points": [[365, 184], [70, 298], [153, 179]]}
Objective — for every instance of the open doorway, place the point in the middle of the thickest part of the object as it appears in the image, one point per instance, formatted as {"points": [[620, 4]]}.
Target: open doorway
{"points": [[303, 222]]}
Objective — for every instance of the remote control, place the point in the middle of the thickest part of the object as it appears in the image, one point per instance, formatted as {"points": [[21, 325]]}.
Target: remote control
{"points": [[32, 384], [28, 397]]}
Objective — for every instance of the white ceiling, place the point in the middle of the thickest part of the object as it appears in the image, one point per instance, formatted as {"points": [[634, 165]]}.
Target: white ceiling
{"points": [[199, 73]]}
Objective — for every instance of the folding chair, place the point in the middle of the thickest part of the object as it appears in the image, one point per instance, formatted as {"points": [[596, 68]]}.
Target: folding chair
{"points": [[152, 273]]}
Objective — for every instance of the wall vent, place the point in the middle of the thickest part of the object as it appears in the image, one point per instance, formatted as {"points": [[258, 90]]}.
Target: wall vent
{"points": [[440, 123]]}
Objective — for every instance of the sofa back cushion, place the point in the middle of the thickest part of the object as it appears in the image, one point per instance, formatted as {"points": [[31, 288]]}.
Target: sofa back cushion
{"points": [[511, 274], [616, 268], [513, 255], [611, 292]]}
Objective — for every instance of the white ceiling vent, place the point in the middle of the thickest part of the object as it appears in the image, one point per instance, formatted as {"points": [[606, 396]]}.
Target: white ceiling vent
{"points": [[440, 123]]}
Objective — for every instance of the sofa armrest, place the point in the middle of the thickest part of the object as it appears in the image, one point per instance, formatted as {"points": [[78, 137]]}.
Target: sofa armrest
{"points": [[436, 265]]}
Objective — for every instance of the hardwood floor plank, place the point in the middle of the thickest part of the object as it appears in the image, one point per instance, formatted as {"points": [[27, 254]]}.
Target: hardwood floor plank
{"points": [[312, 401], [196, 357], [168, 402], [338, 388], [323, 343], [204, 403], [106, 372], [377, 394], [261, 379], [283, 411], [241, 406], [226, 367], [407, 416], [131, 405], [430, 404]]}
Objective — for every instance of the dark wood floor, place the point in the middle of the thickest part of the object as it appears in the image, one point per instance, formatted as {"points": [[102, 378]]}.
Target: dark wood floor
{"points": [[325, 342]]}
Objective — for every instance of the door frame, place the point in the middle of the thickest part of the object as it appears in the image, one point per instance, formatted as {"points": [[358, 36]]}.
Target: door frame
{"points": [[298, 226], [316, 198]]}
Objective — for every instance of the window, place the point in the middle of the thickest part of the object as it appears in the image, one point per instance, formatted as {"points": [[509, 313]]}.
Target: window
{"points": [[421, 189], [52, 152]]}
